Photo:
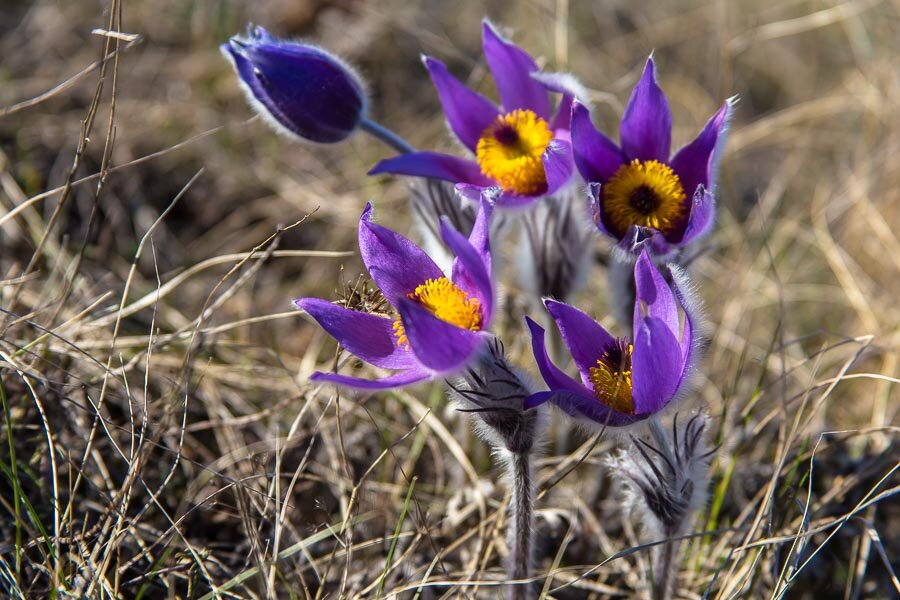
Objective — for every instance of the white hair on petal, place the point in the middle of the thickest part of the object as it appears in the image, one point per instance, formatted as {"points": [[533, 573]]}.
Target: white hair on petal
{"points": [[564, 83]]}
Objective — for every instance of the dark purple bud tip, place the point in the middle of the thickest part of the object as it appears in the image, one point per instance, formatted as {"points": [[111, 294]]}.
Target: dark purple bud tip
{"points": [[300, 89]]}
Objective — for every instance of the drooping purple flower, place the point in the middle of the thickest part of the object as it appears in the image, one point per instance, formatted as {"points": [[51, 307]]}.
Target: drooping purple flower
{"points": [[637, 184], [440, 323], [300, 89], [519, 146], [622, 381]]}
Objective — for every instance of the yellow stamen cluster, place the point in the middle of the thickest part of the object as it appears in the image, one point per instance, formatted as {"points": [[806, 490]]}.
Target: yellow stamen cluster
{"points": [[647, 193], [445, 300], [509, 152], [611, 378]]}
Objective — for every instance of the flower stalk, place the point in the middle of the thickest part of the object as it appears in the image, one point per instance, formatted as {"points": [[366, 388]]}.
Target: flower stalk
{"points": [[664, 563], [386, 136], [522, 523], [555, 248], [494, 392], [665, 481]]}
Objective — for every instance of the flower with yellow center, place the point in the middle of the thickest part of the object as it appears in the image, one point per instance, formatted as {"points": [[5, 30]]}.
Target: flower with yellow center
{"points": [[623, 380], [640, 190], [446, 301], [510, 149], [646, 193], [611, 377], [442, 325]]}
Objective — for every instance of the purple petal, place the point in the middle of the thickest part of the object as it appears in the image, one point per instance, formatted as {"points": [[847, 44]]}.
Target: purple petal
{"points": [[558, 165], [586, 339], [502, 199], [512, 68], [536, 399], [656, 365], [562, 120], [472, 192], [647, 124], [639, 238], [701, 217], [434, 165], [695, 163], [396, 264], [553, 376], [396, 380], [596, 156], [595, 198], [690, 305], [509, 200], [468, 112], [687, 346], [583, 406], [480, 237], [367, 336], [440, 346], [653, 297], [469, 272]]}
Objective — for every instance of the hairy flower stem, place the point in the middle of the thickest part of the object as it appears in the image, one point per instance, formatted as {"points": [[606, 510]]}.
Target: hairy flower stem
{"points": [[665, 566], [555, 248], [664, 570], [665, 481], [493, 392], [521, 524], [385, 135]]}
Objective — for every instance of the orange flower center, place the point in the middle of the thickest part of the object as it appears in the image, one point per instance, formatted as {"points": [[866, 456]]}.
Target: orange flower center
{"points": [[445, 300], [509, 152], [647, 193], [611, 377]]}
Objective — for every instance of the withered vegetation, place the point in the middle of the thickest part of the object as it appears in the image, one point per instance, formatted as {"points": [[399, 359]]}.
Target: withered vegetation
{"points": [[159, 436]]}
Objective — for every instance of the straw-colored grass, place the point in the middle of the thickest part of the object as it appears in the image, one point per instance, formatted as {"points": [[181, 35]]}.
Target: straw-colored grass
{"points": [[160, 438]]}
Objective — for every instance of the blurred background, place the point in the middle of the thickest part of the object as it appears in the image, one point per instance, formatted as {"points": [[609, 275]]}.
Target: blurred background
{"points": [[160, 435]]}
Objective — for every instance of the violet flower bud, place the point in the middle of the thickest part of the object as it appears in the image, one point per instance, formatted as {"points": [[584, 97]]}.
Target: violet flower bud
{"points": [[299, 89]]}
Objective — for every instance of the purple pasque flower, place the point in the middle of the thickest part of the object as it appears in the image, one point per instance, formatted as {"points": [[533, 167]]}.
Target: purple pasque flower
{"points": [[300, 89], [440, 322], [637, 183], [518, 146], [622, 381]]}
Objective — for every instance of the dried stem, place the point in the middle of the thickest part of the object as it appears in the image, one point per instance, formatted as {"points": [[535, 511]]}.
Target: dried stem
{"points": [[493, 392]]}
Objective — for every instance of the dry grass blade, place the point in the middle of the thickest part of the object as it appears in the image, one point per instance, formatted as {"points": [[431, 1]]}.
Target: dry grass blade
{"points": [[161, 437]]}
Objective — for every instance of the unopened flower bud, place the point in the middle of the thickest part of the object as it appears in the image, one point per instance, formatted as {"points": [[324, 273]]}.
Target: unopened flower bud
{"points": [[300, 89]]}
